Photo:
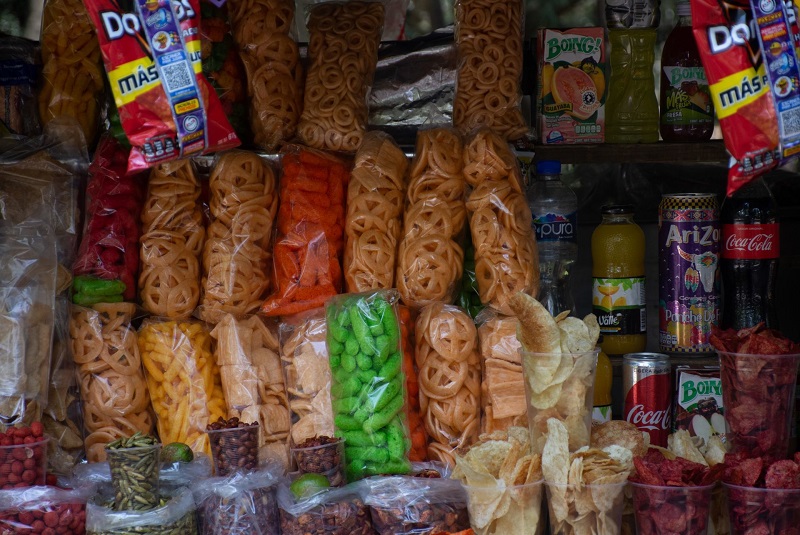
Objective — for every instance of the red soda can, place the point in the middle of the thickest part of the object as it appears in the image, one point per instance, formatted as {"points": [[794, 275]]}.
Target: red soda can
{"points": [[646, 379]]}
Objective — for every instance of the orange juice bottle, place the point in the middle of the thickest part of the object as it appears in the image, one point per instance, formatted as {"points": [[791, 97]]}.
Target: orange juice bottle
{"points": [[602, 389], [618, 282]]}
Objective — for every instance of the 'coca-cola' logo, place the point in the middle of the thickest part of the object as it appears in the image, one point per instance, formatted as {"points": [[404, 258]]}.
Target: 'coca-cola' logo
{"points": [[751, 242], [649, 420]]}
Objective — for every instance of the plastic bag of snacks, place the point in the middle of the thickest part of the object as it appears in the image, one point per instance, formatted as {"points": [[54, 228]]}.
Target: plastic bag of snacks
{"points": [[113, 388], [310, 231], [449, 379], [176, 515], [222, 65], [242, 504], [506, 255], [109, 249], [246, 352], [749, 81], [19, 112], [429, 259], [152, 54], [272, 61], [39, 509], [489, 41], [172, 239], [402, 505], [374, 214], [343, 47], [72, 73], [308, 375], [243, 204], [183, 380], [339, 511], [416, 422], [503, 386], [368, 390]]}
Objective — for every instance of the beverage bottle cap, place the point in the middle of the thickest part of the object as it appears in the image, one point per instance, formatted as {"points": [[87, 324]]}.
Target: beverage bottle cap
{"points": [[632, 14], [548, 167]]}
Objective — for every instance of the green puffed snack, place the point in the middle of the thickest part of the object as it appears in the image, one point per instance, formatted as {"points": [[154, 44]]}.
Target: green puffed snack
{"points": [[363, 361], [366, 376], [395, 439], [335, 348], [385, 393], [349, 387], [371, 454], [351, 346], [392, 367], [346, 405], [346, 422], [349, 363], [381, 419], [360, 438]]}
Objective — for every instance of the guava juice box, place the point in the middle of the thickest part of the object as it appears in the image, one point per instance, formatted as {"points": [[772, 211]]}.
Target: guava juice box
{"points": [[571, 93]]}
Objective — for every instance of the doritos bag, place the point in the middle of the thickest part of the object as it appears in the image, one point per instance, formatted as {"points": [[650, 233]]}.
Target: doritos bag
{"points": [[151, 51], [748, 48]]}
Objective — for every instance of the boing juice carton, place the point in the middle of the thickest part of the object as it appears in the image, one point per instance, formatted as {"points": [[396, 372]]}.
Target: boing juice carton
{"points": [[571, 91]]}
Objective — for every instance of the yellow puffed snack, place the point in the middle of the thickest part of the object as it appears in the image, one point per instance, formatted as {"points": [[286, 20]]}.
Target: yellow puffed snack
{"points": [[183, 380]]}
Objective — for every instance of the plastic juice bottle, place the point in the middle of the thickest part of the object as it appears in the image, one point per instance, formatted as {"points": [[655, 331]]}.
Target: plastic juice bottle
{"points": [[618, 284], [687, 111], [602, 389]]}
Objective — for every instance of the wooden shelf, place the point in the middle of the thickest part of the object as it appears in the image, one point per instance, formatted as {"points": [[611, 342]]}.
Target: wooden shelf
{"points": [[661, 152]]}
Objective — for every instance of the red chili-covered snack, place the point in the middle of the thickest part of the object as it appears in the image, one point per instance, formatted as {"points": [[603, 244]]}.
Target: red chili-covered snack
{"points": [[23, 457], [109, 249], [307, 254], [43, 510], [759, 373], [416, 423]]}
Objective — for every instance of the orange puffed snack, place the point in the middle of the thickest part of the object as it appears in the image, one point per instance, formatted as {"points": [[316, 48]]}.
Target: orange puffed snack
{"points": [[308, 250]]}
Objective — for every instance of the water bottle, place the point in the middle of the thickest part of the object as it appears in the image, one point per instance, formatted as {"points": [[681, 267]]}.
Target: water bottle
{"points": [[554, 207]]}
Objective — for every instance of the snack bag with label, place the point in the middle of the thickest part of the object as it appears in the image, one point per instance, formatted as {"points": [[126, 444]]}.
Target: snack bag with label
{"points": [[151, 51], [751, 64]]}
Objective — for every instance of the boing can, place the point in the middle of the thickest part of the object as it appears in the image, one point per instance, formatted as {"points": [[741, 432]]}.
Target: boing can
{"points": [[688, 269]]}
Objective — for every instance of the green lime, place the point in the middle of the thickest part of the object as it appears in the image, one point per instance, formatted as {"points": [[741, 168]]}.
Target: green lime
{"points": [[176, 452], [308, 485]]}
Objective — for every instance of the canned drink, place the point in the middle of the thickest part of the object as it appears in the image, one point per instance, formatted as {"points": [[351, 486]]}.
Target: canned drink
{"points": [[688, 267], [646, 380], [625, 14]]}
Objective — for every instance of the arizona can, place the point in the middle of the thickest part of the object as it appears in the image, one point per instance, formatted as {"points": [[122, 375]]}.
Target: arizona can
{"points": [[646, 381], [688, 268]]}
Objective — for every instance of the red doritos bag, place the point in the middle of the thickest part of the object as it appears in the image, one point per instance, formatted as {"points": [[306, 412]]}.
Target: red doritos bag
{"points": [[750, 58], [151, 51]]}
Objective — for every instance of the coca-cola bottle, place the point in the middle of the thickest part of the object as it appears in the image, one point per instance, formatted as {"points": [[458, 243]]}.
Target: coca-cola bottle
{"points": [[750, 252]]}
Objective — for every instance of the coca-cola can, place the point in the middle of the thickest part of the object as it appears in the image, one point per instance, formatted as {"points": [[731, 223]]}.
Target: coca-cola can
{"points": [[646, 380]]}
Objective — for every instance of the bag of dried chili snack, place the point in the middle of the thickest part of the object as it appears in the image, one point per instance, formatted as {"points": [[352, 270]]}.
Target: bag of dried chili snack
{"points": [[109, 250], [751, 62], [152, 55]]}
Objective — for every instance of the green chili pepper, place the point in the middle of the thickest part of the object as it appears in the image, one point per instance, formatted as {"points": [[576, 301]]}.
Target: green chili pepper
{"points": [[91, 286], [379, 420], [88, 300]]}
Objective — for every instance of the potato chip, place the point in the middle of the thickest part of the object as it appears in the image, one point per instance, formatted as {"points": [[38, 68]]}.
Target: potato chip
{"points": [[578, 430], [561, 315], [574, 336], [555, 457], [621, 433], [538, 331], [715, 451], [681, 444], [489, 456]]}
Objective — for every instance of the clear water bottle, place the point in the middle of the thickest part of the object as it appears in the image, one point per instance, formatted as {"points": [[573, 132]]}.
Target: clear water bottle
{"points": [[554, 207]]}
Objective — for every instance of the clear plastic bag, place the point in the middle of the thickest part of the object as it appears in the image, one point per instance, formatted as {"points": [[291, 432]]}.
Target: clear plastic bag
{"points": [[489, 36], [183, 380], [375, 199], [37, 509], [449, 379], [503, 386], [172, 240], [243, 504], [369, 386], [506, 255], [339, 511], [171, 477], [310, 241], [343, 49], [115, 398], [262, 31], [243, 205], [430, 259], [109, 249], [175, 517], [19, 111], [402, 505], [246, 352], [308, 375]]}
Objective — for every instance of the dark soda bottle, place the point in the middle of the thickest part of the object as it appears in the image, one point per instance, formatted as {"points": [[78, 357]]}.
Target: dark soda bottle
{"points": [[750, 249]]}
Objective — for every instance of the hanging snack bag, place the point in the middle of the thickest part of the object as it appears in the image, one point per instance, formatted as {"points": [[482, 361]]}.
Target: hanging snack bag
{"points": [[152, 54], [750, 59], [310, 237]]}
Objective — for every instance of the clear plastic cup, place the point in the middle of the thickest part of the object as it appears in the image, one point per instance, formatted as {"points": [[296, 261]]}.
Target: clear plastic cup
{"points": [[523, 515], [758, 394], [327, 459], [560, 385], [135, 477], [24, 464], [755, 510], [671, 510], [234, 449], [568, 506]]}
